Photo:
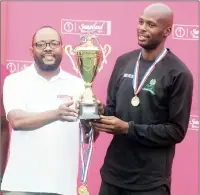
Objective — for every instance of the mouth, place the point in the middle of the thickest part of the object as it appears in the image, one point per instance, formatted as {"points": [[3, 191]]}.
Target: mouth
{"points": [[142, 38], [49, 57]]}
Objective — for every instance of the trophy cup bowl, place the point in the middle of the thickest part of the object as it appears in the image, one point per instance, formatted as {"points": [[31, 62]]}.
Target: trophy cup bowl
{"points": [[88, 62]]}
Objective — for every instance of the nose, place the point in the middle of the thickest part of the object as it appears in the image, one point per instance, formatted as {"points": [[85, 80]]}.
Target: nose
{"points": [[142, 27], [48, 47]]}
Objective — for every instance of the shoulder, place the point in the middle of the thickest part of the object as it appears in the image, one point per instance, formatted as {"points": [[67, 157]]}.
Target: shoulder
{"points": [[178, 72], [16, 76], [177, 67], [129, 55], [19, 77], [125, 58]]}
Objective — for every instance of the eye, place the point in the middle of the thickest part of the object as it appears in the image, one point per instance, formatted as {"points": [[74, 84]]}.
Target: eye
{"points": [[141, 22], [55, 44], [151, 25], [40, 45]]}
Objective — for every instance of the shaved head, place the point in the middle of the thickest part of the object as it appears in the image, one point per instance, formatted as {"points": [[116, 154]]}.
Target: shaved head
{"points": [[155, 24], [44, 28], [160, 11]]}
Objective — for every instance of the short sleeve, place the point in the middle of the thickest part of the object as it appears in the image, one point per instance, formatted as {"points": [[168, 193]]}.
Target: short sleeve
{"points": [[13, 94]]}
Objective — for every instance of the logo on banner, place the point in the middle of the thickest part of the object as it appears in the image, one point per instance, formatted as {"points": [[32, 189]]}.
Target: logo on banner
{"points": [[194, 123], [78, 27], [14, 66], [185, 32]]}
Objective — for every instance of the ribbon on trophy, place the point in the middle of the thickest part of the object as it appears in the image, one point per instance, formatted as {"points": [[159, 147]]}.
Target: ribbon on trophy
{"points": [[85, 159]]}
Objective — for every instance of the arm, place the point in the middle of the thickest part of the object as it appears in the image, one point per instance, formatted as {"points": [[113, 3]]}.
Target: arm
{"points": [[159, 135], [21, 119], [109, 109], [175, 129]]}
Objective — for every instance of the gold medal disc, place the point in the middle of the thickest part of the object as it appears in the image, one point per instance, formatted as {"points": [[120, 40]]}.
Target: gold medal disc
{"points": [[135, 101], [82, 190]]}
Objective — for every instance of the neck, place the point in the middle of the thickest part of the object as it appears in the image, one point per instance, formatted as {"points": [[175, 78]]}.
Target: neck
{"points": [[152, 54], [47, 74]]}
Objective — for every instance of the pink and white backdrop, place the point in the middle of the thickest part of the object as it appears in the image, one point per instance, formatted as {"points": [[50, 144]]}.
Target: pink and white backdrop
{"points": [[116, 24]]}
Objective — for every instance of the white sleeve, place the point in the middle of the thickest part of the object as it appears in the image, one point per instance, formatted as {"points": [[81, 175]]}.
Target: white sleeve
{"points": [[13, 94]]}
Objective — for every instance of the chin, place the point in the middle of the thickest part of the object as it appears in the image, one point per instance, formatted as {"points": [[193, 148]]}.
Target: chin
{"points": [[48, 67], [142, 45], [147, 46]]}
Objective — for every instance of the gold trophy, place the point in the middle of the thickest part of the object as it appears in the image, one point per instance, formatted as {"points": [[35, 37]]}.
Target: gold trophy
{"points": [[89, 60]]}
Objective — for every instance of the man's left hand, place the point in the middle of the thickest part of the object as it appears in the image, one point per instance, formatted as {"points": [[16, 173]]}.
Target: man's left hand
{"points": [[110, 124]]}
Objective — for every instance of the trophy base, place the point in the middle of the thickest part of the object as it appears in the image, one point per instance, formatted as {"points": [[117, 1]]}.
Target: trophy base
{"points": [[88, 111]]}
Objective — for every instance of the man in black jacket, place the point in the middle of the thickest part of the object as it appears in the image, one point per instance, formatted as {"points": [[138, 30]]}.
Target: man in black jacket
{"points": [[148, 108]]}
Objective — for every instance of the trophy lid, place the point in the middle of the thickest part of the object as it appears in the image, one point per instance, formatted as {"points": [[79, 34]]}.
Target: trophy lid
{"points": [[88, 45]]}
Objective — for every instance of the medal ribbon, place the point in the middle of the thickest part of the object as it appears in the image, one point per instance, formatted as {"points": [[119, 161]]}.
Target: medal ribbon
{"points": [[85, 160], [148, 72]]}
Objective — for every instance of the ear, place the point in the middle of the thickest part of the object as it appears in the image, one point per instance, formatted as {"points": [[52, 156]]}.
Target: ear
{"points": [[63, 49], [31, 51], [167, 31]]}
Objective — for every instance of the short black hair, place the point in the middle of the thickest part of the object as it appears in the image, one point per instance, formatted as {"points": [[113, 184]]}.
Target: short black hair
{"points": [[46, 26]]}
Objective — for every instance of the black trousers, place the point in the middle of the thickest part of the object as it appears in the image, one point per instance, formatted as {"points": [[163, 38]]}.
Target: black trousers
{"points": [[107, 189]]}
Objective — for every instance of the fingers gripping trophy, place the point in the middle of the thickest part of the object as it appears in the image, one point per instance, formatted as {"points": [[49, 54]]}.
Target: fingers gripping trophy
{"points": [[89, 60]]}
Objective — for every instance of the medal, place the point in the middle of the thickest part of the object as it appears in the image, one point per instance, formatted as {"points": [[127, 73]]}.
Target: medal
{"points": [[135, 101], [82, 190]]}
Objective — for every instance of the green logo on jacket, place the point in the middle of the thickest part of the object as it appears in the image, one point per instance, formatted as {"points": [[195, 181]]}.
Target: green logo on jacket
{"points": [[150, 86]]}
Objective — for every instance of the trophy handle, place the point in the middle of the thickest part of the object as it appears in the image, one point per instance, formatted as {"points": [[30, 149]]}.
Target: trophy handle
{"points": [[69, 51], [106, 51]]}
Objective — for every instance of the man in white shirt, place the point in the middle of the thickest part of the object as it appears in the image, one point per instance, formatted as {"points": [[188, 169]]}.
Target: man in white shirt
{"points": [[41, 106]]}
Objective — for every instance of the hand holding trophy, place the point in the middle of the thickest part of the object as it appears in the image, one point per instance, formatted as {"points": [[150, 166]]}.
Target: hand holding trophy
{"points": [[89, 60]]}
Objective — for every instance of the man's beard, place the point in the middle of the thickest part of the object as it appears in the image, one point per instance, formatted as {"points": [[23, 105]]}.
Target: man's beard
{"points": [[45, 67], [150, 46]]}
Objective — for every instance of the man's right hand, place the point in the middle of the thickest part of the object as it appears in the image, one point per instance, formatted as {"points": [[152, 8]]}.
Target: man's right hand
{"points": [[68, 111], [22, 120]]}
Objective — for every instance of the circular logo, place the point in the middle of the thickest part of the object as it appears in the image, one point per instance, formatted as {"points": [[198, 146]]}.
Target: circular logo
{"points": [[11, 67], [180, 32], [68, 27]]}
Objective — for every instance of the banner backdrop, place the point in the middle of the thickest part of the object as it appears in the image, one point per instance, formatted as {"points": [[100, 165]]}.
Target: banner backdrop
{"points": [[4, 17], [116, 24]]}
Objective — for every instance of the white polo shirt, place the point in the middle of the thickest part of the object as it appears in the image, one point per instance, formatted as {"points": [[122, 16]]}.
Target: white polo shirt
{"points": [[46, 159]]}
